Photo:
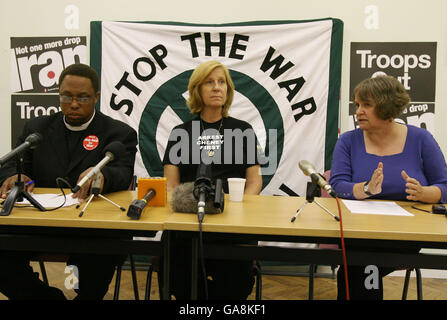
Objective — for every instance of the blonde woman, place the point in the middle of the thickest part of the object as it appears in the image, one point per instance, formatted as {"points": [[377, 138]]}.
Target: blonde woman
{"points": [[230, 146]]}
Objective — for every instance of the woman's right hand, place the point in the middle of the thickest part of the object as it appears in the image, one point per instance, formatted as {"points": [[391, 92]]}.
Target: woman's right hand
{"points": [[375, 184]]}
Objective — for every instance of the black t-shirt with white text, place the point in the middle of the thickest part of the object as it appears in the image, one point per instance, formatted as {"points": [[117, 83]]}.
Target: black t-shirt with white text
{"points": [[229, 145]]}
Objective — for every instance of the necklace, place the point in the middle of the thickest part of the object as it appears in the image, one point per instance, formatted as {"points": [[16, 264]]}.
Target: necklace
{"points": [[211, 151]]}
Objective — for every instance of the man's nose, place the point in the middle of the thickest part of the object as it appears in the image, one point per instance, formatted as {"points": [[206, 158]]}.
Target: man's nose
{"points": [[75, 103]]}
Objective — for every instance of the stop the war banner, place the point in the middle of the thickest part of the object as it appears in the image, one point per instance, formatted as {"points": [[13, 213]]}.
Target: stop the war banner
{"points": [[286, 75], [412, 63]]}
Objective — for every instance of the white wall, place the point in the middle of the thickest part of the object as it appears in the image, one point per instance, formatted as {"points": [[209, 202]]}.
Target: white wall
{"points": [[398, 20]]}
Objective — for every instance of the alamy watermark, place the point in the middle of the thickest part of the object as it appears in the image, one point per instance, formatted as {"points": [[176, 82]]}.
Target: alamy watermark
{"points": [[72, 280], [236, 145], [372, 280]]}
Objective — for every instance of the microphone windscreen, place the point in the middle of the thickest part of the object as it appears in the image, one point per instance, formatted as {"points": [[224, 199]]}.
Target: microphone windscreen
{"points": [[159, 186], [34, 139], [116, 148], [183, 200]]}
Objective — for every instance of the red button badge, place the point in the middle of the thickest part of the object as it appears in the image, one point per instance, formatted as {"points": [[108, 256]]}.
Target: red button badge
{"points": [[90, 142]]}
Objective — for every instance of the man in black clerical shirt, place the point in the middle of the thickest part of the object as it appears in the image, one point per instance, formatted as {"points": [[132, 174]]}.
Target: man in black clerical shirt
{"points": [[73, 142]]}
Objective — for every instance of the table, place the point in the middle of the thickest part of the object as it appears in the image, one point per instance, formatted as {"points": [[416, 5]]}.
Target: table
{"points": [[269, 218], [103, 228]]}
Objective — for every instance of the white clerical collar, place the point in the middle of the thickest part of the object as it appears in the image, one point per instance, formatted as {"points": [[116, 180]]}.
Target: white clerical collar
{"points": [[82, 126]]}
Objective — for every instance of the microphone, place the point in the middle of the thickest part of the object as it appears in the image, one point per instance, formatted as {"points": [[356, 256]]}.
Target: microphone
{"points": [[151, 190], [317, 179], [203, 176], [183, 200], [202, 188], [32, 141], [112, 151]]}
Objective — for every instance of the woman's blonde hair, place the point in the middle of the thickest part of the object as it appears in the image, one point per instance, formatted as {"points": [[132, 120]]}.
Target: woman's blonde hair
{"points": [[201, 72]]}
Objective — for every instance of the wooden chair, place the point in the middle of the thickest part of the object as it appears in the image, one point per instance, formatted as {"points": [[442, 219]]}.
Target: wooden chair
{"points": [[42, 258], [155, 265], [258, 274], [327, 175], [418, 283], [134, 279]]}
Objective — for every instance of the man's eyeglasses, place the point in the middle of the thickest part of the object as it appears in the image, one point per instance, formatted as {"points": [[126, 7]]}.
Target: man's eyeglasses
{"points": [[69, 99]]}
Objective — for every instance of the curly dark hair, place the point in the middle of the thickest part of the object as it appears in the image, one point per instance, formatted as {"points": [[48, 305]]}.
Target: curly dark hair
{"points": [[387, 92]]}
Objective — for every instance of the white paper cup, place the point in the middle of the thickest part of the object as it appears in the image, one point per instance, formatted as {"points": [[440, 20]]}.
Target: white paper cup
{"points": [[236, 187]]}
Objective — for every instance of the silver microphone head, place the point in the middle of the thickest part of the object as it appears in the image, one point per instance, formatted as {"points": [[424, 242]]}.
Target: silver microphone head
{"points": [[114, 150], [306, 167], [110, 155]]}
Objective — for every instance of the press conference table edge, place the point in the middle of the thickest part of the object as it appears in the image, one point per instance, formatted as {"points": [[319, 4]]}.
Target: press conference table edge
{"points": [[256, 215], [248, 217], [100, 214]]}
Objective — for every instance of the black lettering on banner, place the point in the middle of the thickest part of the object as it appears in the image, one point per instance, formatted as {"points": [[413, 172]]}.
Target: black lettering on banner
{"points": [[137, 72], [122, 103], [237, 46], [268, 63], [296, 83], [288, 191], [192, 41], [159, 58], [293, 86], [302, 105], [124, 83], [159, 52], [220, 44]]}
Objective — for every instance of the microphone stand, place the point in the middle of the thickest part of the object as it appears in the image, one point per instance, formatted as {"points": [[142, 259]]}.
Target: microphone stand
{"points": [[17, 193], [201, 205], [313, 191], [95, 192], [202, 192]]}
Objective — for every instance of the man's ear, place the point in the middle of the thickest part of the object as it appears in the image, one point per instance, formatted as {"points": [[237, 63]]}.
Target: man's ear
{"points": [[97, 97]]}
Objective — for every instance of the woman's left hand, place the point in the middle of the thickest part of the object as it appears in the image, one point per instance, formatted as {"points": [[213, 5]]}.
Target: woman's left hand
{"points": [[416, 192], [413, 188]]}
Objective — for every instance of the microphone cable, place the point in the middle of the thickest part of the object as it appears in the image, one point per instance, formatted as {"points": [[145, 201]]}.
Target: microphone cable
{"points": [[202, 260], [58, 182], [343, 248]]}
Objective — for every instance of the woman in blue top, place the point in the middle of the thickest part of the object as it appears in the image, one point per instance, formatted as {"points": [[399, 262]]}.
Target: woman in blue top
{"points": [[384, 159]]}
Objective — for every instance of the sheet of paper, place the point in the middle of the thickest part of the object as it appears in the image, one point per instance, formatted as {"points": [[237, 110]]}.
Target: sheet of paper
{"points": [[50, 200], [376, 207]]}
